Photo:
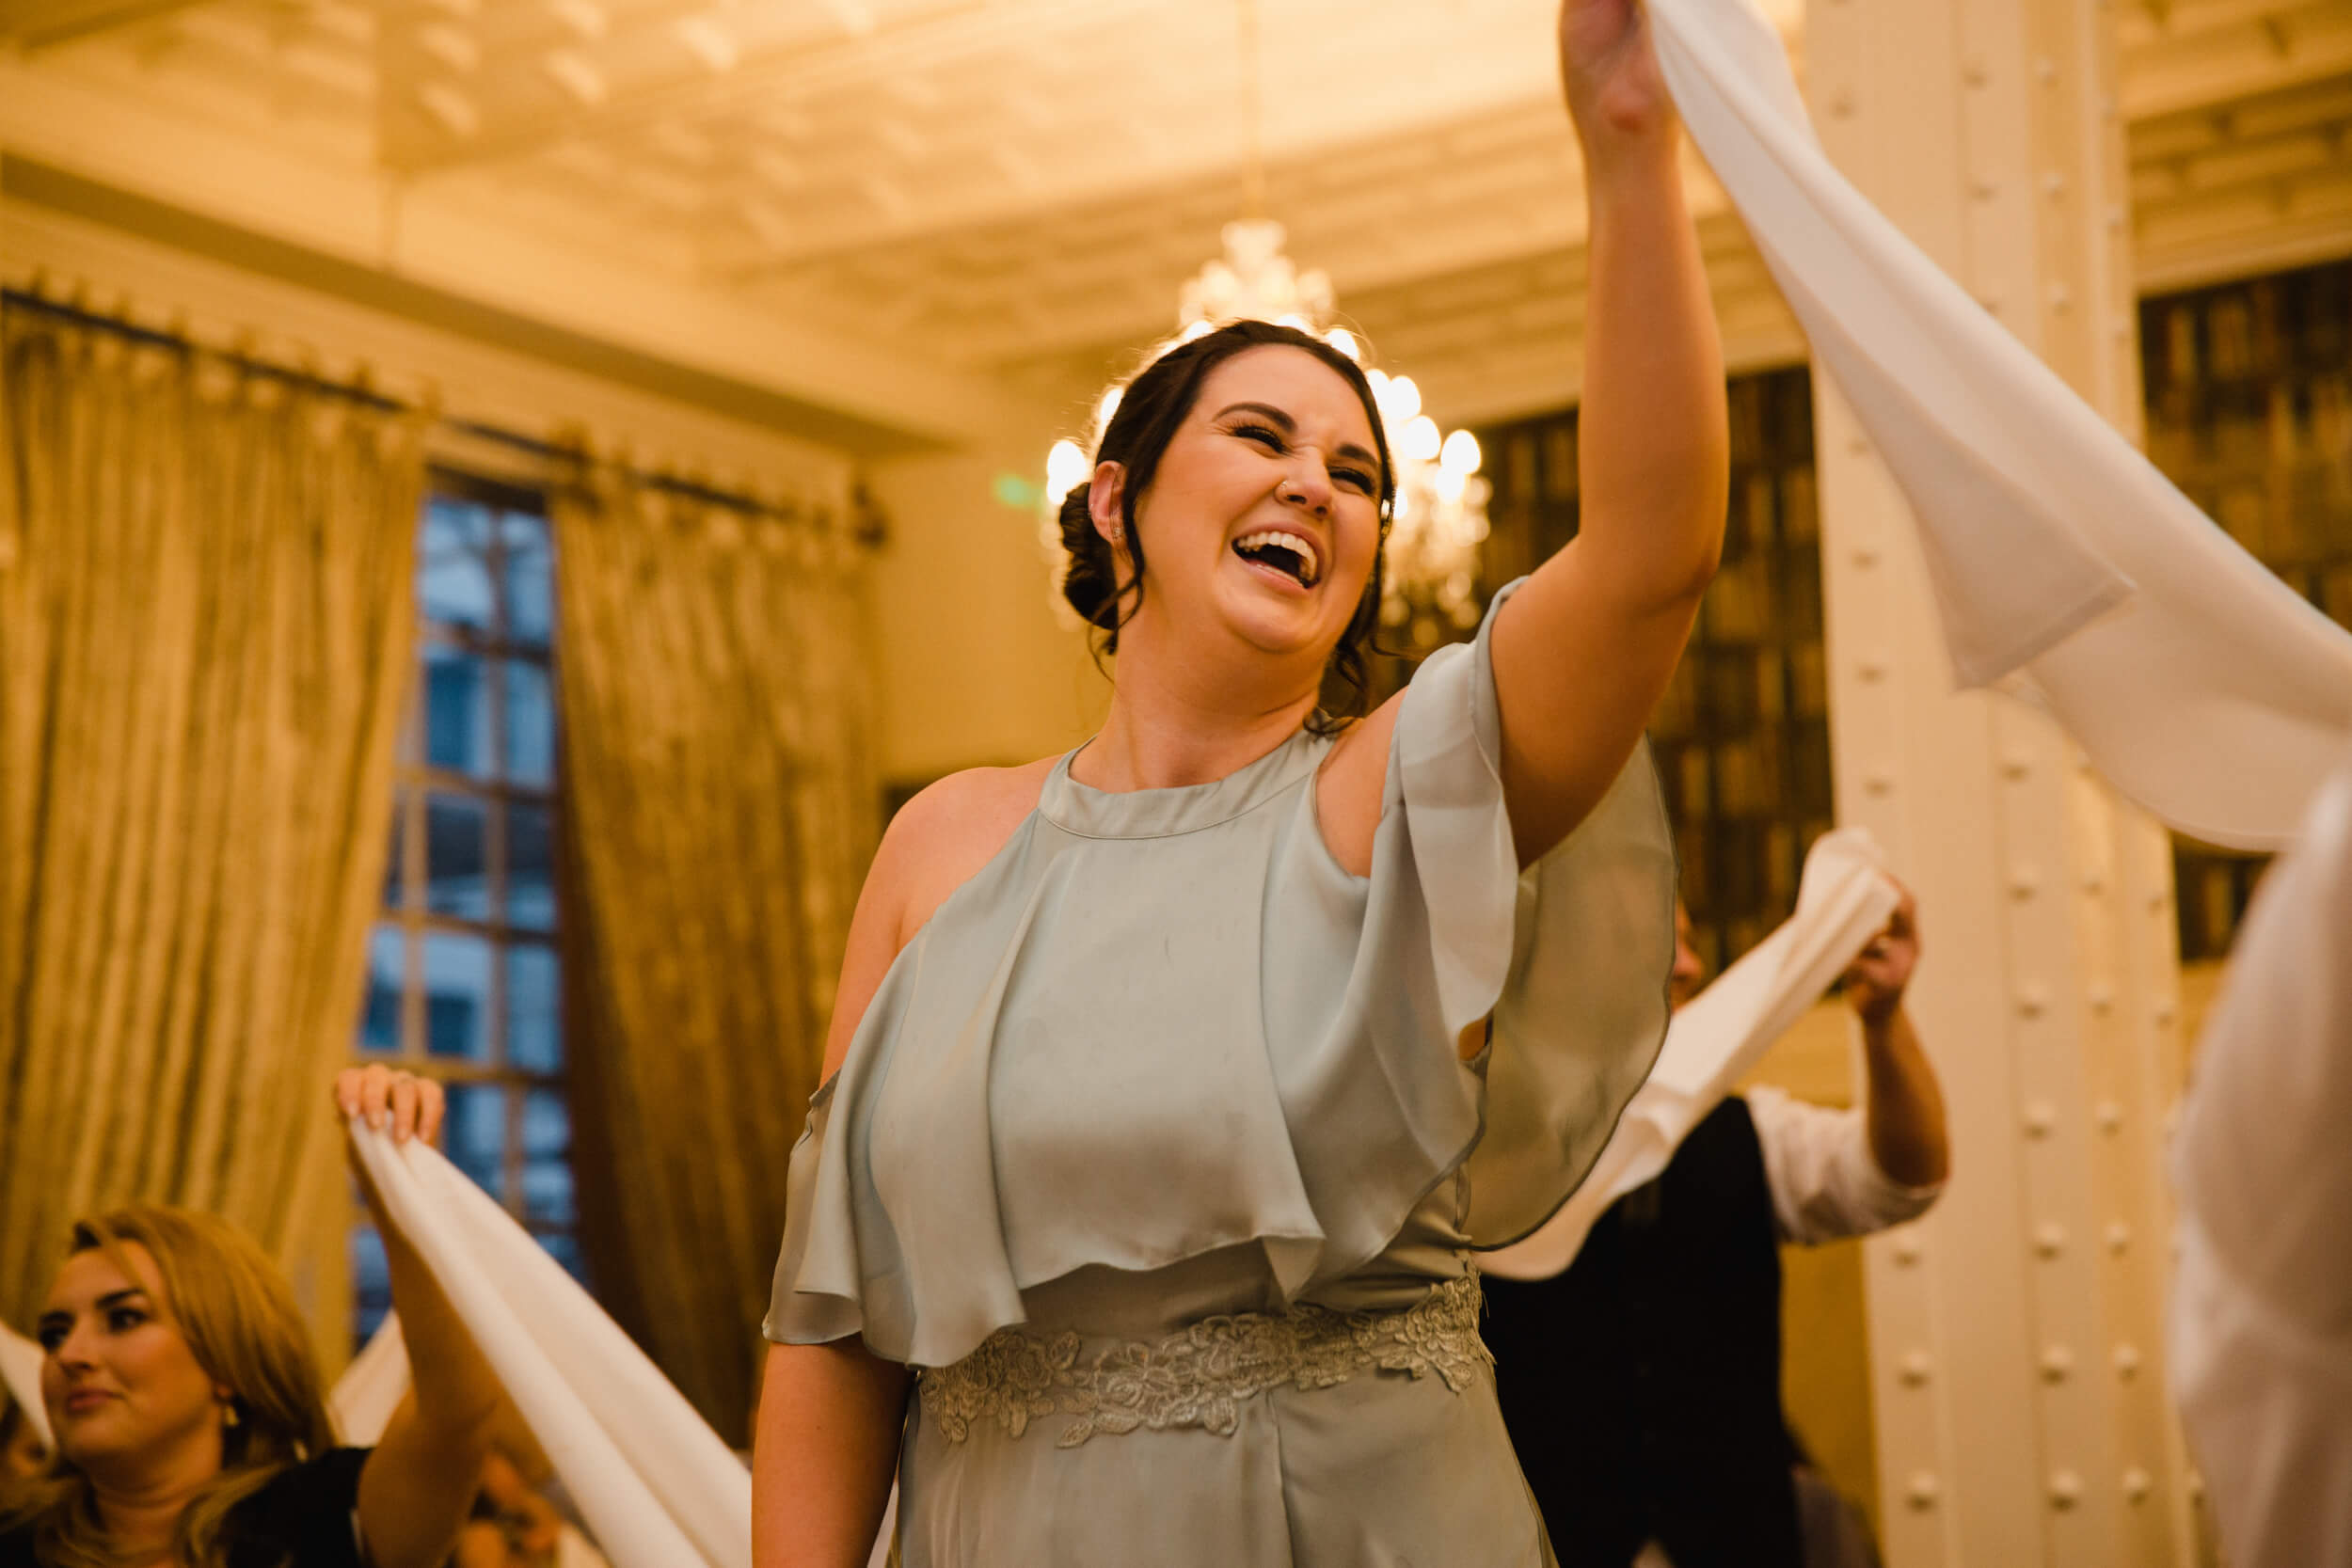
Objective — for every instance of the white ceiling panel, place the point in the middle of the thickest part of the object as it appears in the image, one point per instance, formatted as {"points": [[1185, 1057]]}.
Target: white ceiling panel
{"points": [[1021, 185]]}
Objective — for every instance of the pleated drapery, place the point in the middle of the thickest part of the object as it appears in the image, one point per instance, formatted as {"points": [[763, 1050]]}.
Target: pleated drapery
{"points": [[722, 807], [205, 626]]}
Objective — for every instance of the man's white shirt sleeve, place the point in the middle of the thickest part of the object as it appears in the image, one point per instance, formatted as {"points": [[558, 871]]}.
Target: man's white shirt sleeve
{"points": [[1824, 1183]]}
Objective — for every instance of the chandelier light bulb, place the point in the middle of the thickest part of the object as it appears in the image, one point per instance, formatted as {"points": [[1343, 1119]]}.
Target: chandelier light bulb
{"points": [[1104, 409], [1065, 466], [1420, 442], [1460, 455], [1342, 339], [1401, 403]]}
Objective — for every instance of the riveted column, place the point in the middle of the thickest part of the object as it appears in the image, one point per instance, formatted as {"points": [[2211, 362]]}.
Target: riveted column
{"points": [[2015, 1332]]}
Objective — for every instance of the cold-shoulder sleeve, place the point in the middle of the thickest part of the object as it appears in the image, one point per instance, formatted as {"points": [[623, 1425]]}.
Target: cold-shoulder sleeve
{"points": [[1570, 958], [844, 1268]]}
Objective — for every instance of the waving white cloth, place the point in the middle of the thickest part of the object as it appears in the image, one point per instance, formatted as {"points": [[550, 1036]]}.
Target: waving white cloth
{"points": [[2063, 564], [1843, 900], [2261, 1317], [659, 1488], [372, 1387], [20, 1373]]}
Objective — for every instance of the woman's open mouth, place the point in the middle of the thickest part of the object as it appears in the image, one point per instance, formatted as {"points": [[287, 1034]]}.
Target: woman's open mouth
{"points": [[1281, 551]]}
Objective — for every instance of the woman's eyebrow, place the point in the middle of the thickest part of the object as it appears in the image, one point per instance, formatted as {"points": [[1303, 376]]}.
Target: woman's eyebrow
{"points": [[1267, 409], [107, 1303], [1290, 427]]}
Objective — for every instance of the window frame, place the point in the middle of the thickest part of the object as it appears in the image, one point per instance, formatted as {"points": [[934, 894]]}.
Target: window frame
{"points": [[403, 900]]}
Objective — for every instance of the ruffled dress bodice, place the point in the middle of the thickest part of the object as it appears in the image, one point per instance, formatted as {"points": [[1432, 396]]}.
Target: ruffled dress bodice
{"points": [[1162, 1057]]}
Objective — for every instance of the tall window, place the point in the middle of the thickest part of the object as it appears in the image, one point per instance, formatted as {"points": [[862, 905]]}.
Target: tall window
{"points": [[1742, 737], [2248, 389], [464, 967]]}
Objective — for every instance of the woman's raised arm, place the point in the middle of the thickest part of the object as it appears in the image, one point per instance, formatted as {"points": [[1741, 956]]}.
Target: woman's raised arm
{"points": [[418, 1485], [1582, 653]]}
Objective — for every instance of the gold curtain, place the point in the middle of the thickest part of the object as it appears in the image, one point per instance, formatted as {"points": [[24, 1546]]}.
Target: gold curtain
{"points": [[205, 625], [722, 808]]}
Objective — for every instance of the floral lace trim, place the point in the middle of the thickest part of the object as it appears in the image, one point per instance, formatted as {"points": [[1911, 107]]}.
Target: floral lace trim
{"points": [[1201, 1376]]}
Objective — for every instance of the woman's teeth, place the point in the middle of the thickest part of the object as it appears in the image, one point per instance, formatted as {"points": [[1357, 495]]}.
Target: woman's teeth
{"points": [[1282, 551]]}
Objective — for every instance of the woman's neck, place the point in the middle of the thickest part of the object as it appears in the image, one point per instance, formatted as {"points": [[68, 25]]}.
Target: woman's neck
{"points": [[1166, 732], [141, 1507]]}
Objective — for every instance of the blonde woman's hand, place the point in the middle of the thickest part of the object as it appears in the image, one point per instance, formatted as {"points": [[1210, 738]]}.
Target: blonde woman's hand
{"points": [[1614, 89], [391, 1099]]}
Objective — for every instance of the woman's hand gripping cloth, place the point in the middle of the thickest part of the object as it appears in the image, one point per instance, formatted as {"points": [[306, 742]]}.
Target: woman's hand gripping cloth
{"points": [[1843, 900], [658, 1486], [2064, 566], [2260, 1316]]}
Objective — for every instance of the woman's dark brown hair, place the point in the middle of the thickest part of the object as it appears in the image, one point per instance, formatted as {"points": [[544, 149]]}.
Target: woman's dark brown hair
{"points": [[1150, 413]]}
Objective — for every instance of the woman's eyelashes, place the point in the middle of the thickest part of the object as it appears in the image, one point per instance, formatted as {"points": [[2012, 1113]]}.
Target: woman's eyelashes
{"points": [[119, 1320], [1273, 441]]}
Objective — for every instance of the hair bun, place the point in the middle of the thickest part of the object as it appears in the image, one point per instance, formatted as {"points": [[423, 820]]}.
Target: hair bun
{"points": [[1090, 579]]}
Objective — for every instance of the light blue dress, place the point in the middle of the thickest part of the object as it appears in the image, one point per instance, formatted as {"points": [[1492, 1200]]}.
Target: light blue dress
{"points": [[1156, 1154]]}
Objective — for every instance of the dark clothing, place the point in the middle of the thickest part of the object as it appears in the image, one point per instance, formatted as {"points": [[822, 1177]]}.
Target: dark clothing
{"points": [[1641, 1387], [301, 1519]]}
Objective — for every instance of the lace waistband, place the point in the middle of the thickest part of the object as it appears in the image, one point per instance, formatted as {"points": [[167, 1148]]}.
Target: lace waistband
{"points": [[1199, 1376]]}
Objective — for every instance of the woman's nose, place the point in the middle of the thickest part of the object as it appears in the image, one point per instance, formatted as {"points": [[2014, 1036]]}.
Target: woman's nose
{"points": [[1308, 486], [73, 1351]]}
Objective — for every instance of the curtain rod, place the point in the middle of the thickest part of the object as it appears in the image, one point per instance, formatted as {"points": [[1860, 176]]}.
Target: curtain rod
{"points": [[869, 531]]}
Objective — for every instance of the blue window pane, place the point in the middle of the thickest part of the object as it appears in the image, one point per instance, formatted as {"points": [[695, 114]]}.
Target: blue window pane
{"points": [[530, 578], [457, 722], [395, 890], [476, 1135], [457, 995], [379, 1016], [535, 1009], [371, 1284], [457, 856], [529, 725], [529, 869], [453, 564], [548, 1159], [564, 1249]]}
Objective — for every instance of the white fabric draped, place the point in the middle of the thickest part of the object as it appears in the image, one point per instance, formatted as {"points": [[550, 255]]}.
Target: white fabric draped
{"points": [[2065, 566], [1843, 900], [655, 1484], [19, 1375], [658, 1487], [372, 1387], [2261, 1317]]}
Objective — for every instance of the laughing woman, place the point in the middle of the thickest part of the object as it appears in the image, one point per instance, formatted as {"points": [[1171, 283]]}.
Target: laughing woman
{"points": [[1160, 1122], [191, 1422]]}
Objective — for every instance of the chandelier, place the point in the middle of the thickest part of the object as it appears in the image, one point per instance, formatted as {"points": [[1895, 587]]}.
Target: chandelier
{"points": [[1429, 589]]}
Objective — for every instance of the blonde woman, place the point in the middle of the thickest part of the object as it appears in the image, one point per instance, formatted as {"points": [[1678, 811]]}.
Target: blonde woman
{"points": [[191, 1421]]}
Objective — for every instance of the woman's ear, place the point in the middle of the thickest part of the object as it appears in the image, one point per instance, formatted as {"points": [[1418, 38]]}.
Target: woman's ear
{"points": [[1106, 503]]}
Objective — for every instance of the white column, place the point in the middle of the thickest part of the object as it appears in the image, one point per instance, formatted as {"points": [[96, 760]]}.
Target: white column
{"points": [[2019, 1397]]}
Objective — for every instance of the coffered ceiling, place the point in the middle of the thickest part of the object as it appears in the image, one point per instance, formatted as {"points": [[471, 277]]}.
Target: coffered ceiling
{"points": [[1013, 189]]}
